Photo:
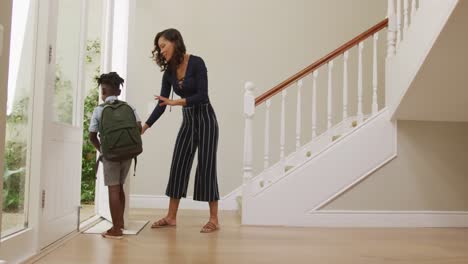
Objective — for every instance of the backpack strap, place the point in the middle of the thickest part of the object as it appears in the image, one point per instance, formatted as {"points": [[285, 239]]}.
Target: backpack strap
{"points": [[134, 166]]}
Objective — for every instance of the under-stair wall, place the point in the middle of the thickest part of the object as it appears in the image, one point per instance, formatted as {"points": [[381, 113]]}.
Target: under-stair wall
{"points": [[429, 174], [427, 74]]}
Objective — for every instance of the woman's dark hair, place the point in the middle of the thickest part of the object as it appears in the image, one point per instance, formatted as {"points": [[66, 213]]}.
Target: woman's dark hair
{"points": [[112, 79], [174, 36]]}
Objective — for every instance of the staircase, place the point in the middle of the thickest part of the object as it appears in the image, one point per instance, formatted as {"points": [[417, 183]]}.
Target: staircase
{"points": [[293, 190]]}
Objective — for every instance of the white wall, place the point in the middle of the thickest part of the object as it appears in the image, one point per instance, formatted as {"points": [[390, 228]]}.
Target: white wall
{"points": [[263, 41]]}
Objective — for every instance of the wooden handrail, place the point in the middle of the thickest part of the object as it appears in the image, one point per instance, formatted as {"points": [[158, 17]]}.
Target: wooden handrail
{"points": [[348, 45]]}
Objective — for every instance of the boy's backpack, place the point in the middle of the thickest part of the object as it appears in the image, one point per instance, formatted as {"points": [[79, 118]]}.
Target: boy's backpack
{"points": [[119, 133]]}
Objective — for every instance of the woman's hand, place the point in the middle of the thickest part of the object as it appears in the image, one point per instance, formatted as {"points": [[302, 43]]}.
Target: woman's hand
{"points": [[167, 101], [144, 128], [164, 100]]}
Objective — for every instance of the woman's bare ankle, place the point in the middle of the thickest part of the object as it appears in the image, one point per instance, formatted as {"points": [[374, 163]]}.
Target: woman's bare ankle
{"points": [[171, 219], [214, 220]]}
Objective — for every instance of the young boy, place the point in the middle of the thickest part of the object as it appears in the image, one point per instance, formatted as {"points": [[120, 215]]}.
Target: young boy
{"points": [[115, 172]]}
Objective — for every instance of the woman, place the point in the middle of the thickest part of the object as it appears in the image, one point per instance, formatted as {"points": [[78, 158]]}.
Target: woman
{"points": [[187, 76]]}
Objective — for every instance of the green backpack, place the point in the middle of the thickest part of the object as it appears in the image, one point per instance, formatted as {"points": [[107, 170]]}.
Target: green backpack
{"points": [[119, 133]]}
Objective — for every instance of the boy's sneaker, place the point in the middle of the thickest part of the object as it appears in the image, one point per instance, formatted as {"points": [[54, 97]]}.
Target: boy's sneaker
{"points": [[113, 234]]}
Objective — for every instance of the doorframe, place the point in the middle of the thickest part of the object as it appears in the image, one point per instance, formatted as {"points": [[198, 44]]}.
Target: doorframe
{"points": [[106, 66], [115, 46]]}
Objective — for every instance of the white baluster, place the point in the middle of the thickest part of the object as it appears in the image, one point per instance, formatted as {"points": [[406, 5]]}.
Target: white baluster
{"points": [[391, 29], [298, 115], [314, 105], [398, 17], [413, 10], [283, 124], [266, 159], [330, 107], [360, 115], [375, 105], [249, 112], [405, 16], [345, 85]]}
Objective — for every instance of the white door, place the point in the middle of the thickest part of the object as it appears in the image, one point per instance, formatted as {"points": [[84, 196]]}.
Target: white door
{"points": [[101, 199], [116, 15], [61, 156]]}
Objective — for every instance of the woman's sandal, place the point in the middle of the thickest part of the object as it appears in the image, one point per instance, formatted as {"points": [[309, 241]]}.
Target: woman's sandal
{"points": [[161, 223], [209, 228]]}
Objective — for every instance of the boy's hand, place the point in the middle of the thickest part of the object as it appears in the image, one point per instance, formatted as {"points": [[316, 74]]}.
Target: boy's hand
{"points": [[94, 140]]}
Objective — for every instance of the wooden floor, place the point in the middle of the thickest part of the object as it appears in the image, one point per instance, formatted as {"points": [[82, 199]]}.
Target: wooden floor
{"points": [[236, 244]]}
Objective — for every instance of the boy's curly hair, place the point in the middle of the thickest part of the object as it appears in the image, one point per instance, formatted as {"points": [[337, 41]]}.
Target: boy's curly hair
{"points": [[112, 79]]}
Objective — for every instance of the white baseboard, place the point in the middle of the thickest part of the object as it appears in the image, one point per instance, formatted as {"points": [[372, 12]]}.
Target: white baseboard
{"points": [[327, 218], [227, 203], [332, 218]]}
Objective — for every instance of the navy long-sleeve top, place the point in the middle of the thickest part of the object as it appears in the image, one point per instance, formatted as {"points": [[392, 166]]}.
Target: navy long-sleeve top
{"points": [[193, 87]]}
